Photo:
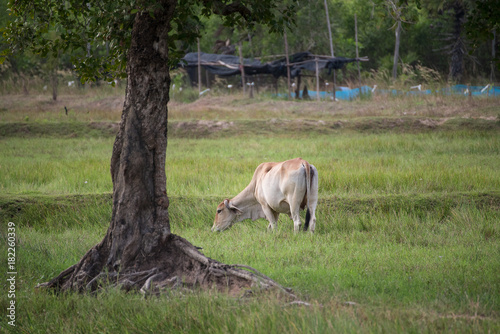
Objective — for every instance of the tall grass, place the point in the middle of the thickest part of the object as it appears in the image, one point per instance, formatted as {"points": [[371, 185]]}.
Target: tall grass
{"points": [[406, 270], [52, 166], [348, 164]]}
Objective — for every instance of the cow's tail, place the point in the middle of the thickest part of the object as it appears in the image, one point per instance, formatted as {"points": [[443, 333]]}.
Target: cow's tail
{"points": [[308, 193]]}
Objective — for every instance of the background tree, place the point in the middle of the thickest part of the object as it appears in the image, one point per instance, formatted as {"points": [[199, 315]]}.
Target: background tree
{"points": [[399, 12], [143, 39], [457, 46], [453, 13], [483, 25], [428, 43]]}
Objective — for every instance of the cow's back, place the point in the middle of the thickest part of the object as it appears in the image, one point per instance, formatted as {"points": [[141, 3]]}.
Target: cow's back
{"points": [[277, 182]]}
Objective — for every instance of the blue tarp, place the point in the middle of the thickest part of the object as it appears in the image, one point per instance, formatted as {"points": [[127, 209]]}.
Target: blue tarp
{"points": [[346, 93]]}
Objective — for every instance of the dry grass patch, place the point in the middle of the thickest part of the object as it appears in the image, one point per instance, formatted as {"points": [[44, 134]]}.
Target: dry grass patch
{"points": [[105, 104]]}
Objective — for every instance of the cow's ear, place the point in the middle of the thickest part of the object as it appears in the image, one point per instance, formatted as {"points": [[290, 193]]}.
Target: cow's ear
{"points": [[235, 209]]}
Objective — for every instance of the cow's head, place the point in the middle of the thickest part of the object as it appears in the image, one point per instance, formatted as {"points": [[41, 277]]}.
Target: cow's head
{"points": [[225, 216]]}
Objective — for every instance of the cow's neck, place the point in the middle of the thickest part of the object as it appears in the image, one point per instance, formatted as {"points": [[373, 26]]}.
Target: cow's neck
{"points": [[247, 203]]}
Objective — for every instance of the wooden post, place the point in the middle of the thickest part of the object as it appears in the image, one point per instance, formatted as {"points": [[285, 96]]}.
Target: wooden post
{"points": [[297, 91], [199, 67], [317, 79], [242, 69], [357, 52], [334, 88], [287, 65]]}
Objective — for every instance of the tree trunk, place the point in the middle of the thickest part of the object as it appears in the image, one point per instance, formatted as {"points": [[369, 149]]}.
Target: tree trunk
{"points": [[25, 84], [493, 56], [242, 67], [396, 51], [139, 223], [138, 250]]}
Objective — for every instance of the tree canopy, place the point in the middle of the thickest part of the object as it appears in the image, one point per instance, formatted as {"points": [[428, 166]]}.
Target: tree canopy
{"points": [[97, 34]]}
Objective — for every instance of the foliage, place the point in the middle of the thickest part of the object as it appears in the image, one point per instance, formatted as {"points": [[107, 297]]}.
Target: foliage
{"points": [[410, 75], [424, 39], [97, 34], [483, 19], [483, 22]]}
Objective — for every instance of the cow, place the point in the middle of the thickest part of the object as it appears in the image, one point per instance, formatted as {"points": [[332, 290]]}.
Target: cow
{"points": [[276, 187]]}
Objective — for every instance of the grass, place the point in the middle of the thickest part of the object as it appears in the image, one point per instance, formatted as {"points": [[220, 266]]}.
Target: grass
{"points": [[350, 164], [113, 312], [407, 267], [407, 237]]}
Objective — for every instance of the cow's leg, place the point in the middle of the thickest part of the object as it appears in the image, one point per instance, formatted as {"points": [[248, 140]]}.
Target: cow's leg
{"points": [[271, 216], [295, 215], [294, 200], [313, 199], [312, 218]]}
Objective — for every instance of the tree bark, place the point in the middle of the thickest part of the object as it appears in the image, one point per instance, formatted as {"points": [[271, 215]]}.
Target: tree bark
{"points": [[139, 223], [138, 250], [493, 56], [396, 51], [242, 67], [140, 203]]}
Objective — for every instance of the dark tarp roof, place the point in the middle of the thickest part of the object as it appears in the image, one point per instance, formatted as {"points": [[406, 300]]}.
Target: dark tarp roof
{"points": [[227, 65]]}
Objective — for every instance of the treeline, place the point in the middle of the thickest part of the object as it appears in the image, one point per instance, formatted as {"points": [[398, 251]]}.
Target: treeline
{"points": [[440, 35], [448, 40]]}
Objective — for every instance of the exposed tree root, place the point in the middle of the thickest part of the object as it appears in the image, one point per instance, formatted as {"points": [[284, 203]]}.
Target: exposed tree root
{"points": [[176, 264]]}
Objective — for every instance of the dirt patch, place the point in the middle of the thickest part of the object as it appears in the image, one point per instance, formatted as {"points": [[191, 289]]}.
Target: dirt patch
{"points": [[432, 123], [486, 118], [110, 126], [200, 127], [269, 127]]}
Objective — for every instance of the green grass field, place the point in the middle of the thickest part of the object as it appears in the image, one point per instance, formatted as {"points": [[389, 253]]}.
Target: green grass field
{"points": [[407, 238]]}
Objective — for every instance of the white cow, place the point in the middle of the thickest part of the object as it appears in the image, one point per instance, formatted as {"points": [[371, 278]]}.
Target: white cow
{"points": [[276, 187]]}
